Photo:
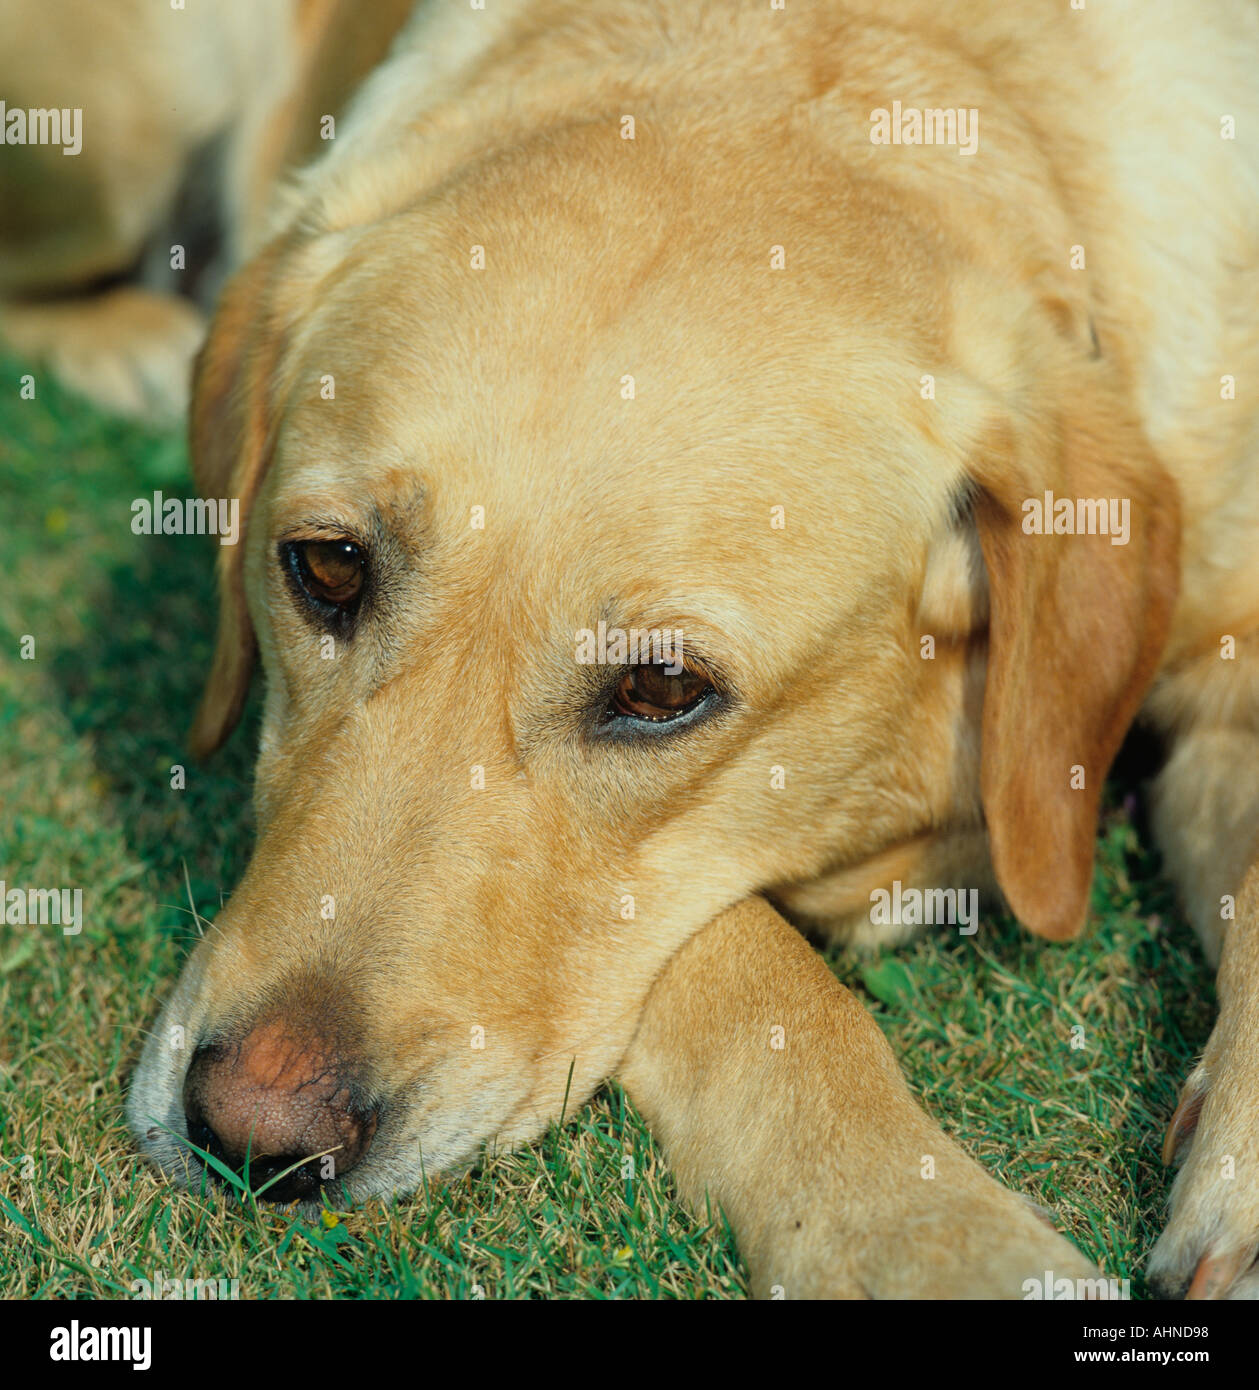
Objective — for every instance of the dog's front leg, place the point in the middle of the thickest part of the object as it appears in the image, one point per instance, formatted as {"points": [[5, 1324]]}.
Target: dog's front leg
{"points": [[774, 1091], [1210, 1245], [1207, 822]]}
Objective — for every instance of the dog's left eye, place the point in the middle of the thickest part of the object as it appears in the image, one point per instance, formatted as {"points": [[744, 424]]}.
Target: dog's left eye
{"points": [[330, 572], [653, 693]]}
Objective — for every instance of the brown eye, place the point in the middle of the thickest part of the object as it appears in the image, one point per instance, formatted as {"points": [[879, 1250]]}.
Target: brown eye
{"points": [[650, 692], [330, 571]]}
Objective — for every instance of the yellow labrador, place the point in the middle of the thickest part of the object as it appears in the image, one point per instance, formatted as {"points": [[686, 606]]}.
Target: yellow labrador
{"points": [[702, 456]]}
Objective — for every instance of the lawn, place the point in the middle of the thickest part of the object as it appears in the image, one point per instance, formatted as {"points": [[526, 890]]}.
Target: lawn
{"points": [[89, 731]]}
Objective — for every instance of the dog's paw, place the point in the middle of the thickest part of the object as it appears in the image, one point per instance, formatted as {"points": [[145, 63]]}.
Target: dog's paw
{"points": [[1209, 1247], [980, 1241], [128, 351]]}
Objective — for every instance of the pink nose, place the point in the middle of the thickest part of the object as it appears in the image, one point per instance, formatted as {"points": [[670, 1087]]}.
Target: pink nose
{"points": [[276, 1099]]}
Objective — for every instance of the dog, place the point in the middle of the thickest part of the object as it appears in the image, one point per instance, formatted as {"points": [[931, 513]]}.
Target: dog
{"points": [[903, 364]]}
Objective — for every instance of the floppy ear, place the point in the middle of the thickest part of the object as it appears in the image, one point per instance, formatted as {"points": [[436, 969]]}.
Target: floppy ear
{"points": [[230, 439], [1076, 628]]}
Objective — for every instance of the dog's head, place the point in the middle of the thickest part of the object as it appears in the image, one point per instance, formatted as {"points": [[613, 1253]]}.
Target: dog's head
{"points": [[486, 447]]}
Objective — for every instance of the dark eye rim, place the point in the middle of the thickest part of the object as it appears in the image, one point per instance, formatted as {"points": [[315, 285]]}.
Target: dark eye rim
{"points": [[328, 613]]}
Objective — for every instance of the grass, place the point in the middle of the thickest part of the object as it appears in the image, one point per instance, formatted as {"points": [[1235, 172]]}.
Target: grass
{"points": [[89, 731]]}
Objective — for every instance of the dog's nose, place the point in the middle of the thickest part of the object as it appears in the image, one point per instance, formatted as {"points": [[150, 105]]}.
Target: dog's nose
{"points": [[274, 1100]]}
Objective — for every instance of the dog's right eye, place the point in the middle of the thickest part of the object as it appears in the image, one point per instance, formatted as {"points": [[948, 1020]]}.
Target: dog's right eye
{"points": [[657, 694], [331, 574]]}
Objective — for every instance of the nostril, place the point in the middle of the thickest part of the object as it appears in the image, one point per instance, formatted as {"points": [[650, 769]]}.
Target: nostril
{"points": [[200, 1131], [285, 1178], [200, 1134]]}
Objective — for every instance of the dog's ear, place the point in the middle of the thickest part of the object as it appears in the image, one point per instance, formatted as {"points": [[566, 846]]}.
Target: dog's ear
{"points": [[231, 431], [1076, 626]]}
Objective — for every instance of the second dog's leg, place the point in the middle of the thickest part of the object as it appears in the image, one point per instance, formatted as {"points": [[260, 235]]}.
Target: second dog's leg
{"points": [[774, 1092]]}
